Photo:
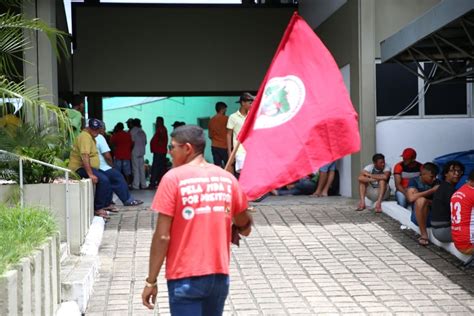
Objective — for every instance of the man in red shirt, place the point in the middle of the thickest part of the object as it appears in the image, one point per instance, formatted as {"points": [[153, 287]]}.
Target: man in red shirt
{"points": [[158, 148], [197, 203], [403, 172], [218, 135], [122, 144], [462, 223]]}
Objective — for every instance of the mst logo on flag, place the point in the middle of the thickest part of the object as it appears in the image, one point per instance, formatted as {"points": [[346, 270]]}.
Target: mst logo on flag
{"points": [[282, 99]]}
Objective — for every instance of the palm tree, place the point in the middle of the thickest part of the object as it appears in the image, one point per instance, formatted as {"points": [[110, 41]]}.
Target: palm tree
{"points": [[14, 40]]}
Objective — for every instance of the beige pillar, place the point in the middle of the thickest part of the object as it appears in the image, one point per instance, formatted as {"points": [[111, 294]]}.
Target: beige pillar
{"points": [[366, 102], [41, 68]]}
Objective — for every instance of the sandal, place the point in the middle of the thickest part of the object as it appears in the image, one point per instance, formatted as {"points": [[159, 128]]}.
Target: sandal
{"points": [[359, 209], [134, 203], [378, 210], [423, 241], [111, 208]]}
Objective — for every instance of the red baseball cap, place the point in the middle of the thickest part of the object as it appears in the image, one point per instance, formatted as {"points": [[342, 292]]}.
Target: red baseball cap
{"points": [[408, 153]]}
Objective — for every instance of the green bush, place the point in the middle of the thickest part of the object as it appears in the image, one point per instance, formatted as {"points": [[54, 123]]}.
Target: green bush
{"points": [[21, 231]]}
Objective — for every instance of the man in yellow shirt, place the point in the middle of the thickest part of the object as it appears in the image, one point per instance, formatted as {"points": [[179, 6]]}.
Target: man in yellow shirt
{"points": [[84, 160]]}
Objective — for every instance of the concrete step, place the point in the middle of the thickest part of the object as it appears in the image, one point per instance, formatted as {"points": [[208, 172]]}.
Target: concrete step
{"points": [[77, 279]]}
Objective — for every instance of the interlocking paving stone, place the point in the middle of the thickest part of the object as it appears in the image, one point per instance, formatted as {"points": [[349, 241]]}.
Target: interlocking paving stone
{"points": [[305, 256]]}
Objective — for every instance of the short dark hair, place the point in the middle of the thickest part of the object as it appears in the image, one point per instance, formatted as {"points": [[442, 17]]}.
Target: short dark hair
{"points": [[449, 164], [431, 167], [160, 118], [137, 122], [190, 134], [220, 105], [118, 127], [377, 157]]}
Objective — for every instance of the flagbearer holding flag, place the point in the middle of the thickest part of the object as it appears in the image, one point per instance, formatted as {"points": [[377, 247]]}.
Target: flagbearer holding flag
{"points": [[234, 125]]}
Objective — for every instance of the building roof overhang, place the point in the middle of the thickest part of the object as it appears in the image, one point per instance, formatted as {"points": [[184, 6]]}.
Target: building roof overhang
{"points": [[444, 35]]}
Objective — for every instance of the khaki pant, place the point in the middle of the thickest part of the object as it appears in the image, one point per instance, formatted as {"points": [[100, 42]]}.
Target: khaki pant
{"points": [[373, 193]]}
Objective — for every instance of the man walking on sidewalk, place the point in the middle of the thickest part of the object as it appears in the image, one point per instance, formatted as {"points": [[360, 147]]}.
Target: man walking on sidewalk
{"points": [[197, 203]]}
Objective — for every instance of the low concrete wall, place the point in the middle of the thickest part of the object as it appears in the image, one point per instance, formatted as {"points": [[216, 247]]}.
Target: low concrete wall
{"points": [[52, 196], [403, 216], [33, 287]]}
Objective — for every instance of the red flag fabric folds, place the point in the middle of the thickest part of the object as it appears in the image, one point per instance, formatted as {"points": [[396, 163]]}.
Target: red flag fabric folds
{"points": [[302, 116]]}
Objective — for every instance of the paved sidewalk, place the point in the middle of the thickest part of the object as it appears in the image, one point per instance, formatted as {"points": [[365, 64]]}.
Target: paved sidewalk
{"points": [[306, 256]]}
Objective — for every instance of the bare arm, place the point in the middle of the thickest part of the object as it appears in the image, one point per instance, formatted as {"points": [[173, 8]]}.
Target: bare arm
{"points": [[86, 164], [108, 158], [398, 184], [244, 220], [158, 250], [229, 141], [413, 194]]}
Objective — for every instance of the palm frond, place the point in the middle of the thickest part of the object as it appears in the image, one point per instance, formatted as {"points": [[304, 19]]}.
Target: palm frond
{"points": [[35, 109], [13, 39]]}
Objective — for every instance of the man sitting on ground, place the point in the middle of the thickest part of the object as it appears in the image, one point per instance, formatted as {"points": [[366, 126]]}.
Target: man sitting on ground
{"points": [[304, 186], [373, 183], [420, 192], [462, 224], [403, 172], [440, 209]]}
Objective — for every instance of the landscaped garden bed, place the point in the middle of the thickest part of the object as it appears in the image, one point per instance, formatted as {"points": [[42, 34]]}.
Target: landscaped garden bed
{"points": [[29, 261]]}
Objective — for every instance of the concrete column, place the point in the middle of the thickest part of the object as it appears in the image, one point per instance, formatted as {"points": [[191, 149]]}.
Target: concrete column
{"points": [[366, 88], [8, 296], [42, 66], [24, 286], [36, 267]]}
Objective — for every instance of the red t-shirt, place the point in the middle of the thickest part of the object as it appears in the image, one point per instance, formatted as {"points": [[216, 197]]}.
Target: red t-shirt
{"points": [[202, 201], [159, 142], [407, 172], [462, 221], [122, 144]]}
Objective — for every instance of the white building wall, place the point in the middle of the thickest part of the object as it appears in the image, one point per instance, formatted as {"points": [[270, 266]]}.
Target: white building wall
{"points": [[430, 137]]}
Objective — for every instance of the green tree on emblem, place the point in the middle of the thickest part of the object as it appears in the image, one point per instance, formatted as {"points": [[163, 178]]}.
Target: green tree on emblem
{"points": [[277, 102]]}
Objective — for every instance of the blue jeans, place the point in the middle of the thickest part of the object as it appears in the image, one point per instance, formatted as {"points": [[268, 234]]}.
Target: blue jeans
{"points": [[401, 199], [198, 296], [118, 185], [328, 167], [219, 156], [124, 166], [302, 187], [103, 191]]}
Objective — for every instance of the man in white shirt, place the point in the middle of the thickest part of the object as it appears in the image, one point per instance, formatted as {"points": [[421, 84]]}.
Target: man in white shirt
{"points": [[373, 183], [117, 181], [234, 125]]}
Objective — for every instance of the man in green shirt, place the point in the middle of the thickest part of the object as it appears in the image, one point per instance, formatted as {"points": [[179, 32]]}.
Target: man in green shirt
{"points": [[84, 160]]}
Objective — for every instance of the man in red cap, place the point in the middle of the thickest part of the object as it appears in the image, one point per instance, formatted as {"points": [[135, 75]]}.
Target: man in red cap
{"points": [[404, 171]]}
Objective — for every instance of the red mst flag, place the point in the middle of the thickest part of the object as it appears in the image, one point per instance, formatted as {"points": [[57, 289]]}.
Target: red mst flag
{"points": [[302, 116]]}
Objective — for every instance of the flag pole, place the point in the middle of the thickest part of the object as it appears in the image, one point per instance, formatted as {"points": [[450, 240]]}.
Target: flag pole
{"points": [[232, 157]]}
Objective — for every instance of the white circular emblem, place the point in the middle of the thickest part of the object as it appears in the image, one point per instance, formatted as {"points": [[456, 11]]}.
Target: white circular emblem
{"points": [[188, 213], [282, 99]]}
